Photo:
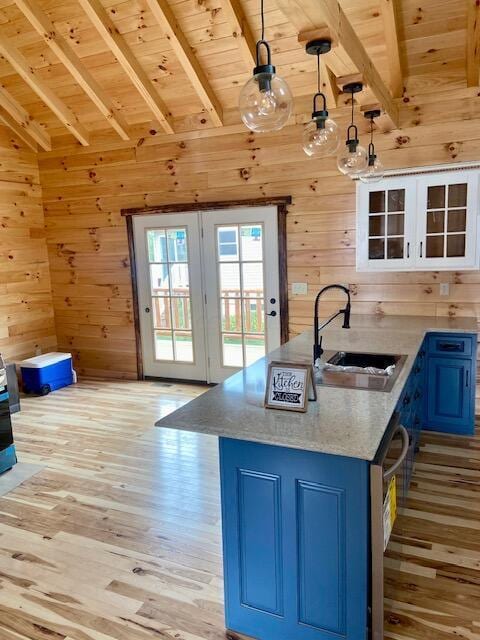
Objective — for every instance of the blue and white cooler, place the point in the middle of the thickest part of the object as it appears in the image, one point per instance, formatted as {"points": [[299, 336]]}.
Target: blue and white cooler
{"points": [[47, 372]]}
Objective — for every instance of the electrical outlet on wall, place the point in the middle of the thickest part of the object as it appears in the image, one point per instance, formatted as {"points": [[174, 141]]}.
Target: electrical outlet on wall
{"points": [[299, 288], [444, 288]]}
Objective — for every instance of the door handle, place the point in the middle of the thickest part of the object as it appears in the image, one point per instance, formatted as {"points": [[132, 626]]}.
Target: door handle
{"points": [[421, 249], [467, 378], [388, 473], [147, 309], [272, 313]]}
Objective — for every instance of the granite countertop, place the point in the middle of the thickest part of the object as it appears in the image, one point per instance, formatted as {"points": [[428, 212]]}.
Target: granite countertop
{"points": [[347, 422]]}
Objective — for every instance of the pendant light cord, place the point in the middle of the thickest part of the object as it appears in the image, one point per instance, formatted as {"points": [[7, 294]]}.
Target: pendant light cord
{"points": [[318, 72], [263, 19], [352, 107]]}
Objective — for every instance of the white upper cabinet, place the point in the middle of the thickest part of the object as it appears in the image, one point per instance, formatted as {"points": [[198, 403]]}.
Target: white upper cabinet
{"points": [[419, 222]]}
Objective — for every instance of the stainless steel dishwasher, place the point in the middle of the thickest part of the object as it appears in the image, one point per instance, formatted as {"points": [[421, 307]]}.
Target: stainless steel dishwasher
{"points": [[389, 463]]}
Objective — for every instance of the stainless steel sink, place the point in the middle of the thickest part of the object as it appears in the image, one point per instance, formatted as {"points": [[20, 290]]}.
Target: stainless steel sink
{"points": [[369, 370]]}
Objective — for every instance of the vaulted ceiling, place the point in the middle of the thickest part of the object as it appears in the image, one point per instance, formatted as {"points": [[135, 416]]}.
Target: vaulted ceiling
{"points": [[83, 69]]}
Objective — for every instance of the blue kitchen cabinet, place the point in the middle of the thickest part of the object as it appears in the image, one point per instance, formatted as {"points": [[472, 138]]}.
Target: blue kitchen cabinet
{"points": [[450, 389], [449, 395], [296, 542]]}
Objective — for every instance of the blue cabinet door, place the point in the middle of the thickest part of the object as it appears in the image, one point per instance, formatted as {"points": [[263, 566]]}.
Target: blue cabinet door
{"points": [[295, 533], [450, 398]]}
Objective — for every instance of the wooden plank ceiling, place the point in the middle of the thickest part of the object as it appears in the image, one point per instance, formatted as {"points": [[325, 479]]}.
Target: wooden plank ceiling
{"points": [[81, 69]]}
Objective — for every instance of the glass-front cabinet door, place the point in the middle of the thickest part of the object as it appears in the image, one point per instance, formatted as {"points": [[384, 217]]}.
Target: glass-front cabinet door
{"points": [[447, 206], [419, 222], [386, 213]]}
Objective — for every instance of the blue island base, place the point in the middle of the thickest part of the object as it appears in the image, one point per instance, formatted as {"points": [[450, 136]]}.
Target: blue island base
{"points": [[296, 542], [8, 458]]}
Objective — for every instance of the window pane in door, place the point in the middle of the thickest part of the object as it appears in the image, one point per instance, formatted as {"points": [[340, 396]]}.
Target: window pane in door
{"points": [[435, 221], [253, 315], [179, 282], [457, 195], [231, 311], [376, 249], [159, 280], [457, 220], [394, 248], [376, 226], [161, 313], [232, 350], [436, 197], [181, 313], [396, 200], [157, 245], [435, 246], [395, 225], [183, 346], [251, 242], [252, 275], [230, 280], [254, 348], [163, 345], [227, 244], [377, 201], [456, 245], [177, 245]]}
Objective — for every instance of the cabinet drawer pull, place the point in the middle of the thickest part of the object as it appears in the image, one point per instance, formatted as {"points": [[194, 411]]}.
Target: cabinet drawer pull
{"points": [[408, 249], [406, 400], [421, 249], [450, 346]]}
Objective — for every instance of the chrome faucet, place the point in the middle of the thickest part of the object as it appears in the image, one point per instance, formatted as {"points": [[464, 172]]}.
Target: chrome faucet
{"points": [[317, 344]]}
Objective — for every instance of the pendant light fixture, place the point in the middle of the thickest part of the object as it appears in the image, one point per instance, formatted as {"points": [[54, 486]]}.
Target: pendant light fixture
{"points": [[352, 158], [374, 171], [320, 135], [265, 101]]}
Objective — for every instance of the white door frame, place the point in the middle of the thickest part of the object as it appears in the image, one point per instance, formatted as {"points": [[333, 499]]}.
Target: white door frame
{"points": [[281, 203]]}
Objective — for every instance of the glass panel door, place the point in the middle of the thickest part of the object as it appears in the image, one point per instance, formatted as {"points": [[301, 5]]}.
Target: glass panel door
{"points": [[241, 283], [447, 207], [170, 294], [241, 293]]}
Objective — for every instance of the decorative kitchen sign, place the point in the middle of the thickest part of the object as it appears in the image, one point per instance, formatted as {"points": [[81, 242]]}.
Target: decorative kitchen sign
{"points": [[289, 386]]}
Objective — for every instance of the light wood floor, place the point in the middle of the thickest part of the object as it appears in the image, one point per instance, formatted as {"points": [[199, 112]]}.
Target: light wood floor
{"points": [[118, 538]]}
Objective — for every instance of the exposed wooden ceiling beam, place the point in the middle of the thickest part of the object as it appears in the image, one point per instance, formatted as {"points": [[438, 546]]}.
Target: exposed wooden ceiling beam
{"points": [[241, 31], [315, 14], [174, 34], [390, 24], [114, 41], [23, 119], [473, 43], [45, 27], [329, 85], [30, 76], [18, 130]]}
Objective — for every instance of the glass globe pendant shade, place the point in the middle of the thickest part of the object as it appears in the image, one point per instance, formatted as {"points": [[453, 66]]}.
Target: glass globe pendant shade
{"points": [[265, 102], [352, 159], [320, 138], [374, 171]]}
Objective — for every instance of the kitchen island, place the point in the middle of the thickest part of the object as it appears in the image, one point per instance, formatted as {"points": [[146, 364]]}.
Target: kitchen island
{"points": [[302, 492]]}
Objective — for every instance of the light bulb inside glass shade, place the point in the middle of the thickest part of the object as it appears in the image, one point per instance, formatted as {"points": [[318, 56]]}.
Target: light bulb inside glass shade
{"points": [[352, 161], [320, 141], [374, 171], [265, 103]]}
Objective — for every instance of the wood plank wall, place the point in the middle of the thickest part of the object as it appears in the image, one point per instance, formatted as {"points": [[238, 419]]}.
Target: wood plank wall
{"points": [[84, 191], [26, 309]]}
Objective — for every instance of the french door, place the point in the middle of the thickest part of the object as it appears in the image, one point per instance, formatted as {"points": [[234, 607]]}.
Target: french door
{"points": [[208, 291]]}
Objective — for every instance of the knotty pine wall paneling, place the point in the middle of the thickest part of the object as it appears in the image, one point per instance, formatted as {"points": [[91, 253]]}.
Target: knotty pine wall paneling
{"points": [[85, 189], [26, 307]]}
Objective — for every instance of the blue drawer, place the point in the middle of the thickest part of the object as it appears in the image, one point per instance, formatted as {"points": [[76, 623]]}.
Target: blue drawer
{"points": [[445, 345]]}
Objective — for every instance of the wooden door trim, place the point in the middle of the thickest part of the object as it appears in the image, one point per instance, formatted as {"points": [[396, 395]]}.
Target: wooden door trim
{"points": [[280, 202]]}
